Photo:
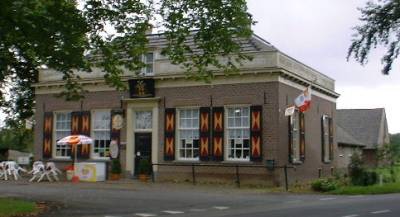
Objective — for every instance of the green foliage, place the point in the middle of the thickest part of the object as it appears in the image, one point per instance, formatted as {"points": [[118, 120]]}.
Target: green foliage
{"points": [[144, 167], [379, 27], [358, 173], [16, 138], [324, 185], [111, 35], [372, 189], [395, 139], [14, 207], [116, 166]]}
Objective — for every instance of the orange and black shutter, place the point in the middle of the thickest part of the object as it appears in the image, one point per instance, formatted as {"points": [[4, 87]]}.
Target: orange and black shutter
{"points": [[290, 143], [84, 149], [330, 138], [47, 134], [115, 132], [255, 133], [75, 123], [302, 136], [322, 139], [80, 125], [75, 128], [169, 134], [204, 133], [218, 133]]}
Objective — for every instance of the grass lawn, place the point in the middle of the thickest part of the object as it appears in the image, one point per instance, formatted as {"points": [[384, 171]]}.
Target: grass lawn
{"points": [[12, 207], [373, 189]]}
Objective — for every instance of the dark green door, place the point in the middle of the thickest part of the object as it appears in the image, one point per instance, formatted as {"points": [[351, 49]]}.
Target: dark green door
{"points": [[142, 148]]}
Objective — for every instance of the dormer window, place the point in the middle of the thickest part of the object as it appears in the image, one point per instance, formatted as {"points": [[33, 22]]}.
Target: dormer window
{"points": [[148, 60]]}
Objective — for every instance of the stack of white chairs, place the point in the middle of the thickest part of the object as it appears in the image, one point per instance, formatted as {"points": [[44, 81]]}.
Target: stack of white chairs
{"points": [[10, 168], [41, 170]]}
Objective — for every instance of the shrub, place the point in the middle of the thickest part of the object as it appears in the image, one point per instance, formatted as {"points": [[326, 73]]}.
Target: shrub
{"points": [[116, 166], [324, 185], [144, 167]]}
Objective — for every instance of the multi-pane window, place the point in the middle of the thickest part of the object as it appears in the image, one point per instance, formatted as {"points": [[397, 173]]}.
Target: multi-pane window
{"points": [[62, 129], [295, 137], [238, 138], [101, 132], [325, 139], [148, 60], [143, 120], [188, 132]]}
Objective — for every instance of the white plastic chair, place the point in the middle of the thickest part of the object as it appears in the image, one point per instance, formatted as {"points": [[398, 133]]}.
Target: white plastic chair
{"points": [[11, 168], [40, 170]]}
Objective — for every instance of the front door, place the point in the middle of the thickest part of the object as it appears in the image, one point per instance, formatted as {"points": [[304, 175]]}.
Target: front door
{"points": [[142, 148]]}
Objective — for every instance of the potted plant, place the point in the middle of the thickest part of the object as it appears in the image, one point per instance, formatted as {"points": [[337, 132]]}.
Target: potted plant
{"points": [[144, 170], [115, 169]]}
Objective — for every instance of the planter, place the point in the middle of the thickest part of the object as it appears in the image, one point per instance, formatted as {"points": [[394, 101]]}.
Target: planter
{"points": [[115, 176], [144, 177]]}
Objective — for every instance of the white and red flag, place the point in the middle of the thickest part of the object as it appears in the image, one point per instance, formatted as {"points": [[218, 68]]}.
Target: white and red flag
{"points": [[303, 101]]}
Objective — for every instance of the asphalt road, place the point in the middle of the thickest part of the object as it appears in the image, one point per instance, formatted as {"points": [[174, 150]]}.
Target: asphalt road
{"points": [[147, 200]]}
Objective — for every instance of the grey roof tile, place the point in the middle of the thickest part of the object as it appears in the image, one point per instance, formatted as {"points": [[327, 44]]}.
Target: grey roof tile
{"points": [[361, 124]]}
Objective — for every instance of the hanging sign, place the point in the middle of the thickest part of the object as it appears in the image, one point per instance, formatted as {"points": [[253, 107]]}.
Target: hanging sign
{"points": [[141, 88], [290, 111], [114, 149]]}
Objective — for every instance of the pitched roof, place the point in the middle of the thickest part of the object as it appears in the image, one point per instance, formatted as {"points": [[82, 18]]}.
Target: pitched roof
{"points": [[254, 43], [363, 125], [345, 139]]}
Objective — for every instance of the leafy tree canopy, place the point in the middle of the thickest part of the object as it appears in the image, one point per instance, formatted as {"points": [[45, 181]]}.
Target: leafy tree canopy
{"points": [[16, 138], [380, 26], [62, 35]]}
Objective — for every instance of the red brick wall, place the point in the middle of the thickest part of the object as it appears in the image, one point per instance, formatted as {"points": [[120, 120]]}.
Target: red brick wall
{"points": [[274, 98]]}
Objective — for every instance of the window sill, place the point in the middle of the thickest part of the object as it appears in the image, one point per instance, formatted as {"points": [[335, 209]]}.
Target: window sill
{"points": [[237, 162], [59, 159], [297, 162], [94, 160], [187, 161]]}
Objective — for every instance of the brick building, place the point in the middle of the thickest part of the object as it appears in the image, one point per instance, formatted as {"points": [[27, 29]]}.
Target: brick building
{"points": [[234, 120]]}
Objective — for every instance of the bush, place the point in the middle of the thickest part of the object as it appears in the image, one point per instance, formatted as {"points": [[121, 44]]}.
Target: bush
{"points": [[324, 185], [144, 167], [358, 174], [116, 166]]}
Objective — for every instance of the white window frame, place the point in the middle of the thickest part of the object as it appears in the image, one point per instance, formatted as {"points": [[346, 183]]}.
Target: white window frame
{"points": [[65, 147], [92, 132], [295, 148], [227, 147], [143, 71], [325, 137], [178, 137]]}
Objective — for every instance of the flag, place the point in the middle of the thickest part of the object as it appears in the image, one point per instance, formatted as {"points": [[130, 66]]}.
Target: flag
{"points": [[289, 111], [303, 101]]}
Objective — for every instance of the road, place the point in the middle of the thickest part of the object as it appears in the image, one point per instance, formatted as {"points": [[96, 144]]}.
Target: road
{"points": [[173, 200]]}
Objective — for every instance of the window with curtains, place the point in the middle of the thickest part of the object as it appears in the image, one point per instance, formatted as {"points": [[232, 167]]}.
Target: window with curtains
{"points": [[148, 60], [295, 137], [188, 134], [62, 129], [238, 133], [101, 132], [325, 139]]}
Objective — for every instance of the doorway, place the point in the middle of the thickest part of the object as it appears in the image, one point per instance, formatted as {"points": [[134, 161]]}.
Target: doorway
{"points": [[142, 149]]}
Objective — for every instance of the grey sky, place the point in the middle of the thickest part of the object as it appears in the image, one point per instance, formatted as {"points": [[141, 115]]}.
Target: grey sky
{"points": [[318, 33]]}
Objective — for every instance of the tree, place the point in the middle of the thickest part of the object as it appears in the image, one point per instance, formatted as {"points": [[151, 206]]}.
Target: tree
{"points": [[395, 138], [16, 138], [111, 35], [390, 154], [380, 26]]}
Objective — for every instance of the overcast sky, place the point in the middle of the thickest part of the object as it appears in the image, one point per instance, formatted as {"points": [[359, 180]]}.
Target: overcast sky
{"points": [[318, 33]]}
